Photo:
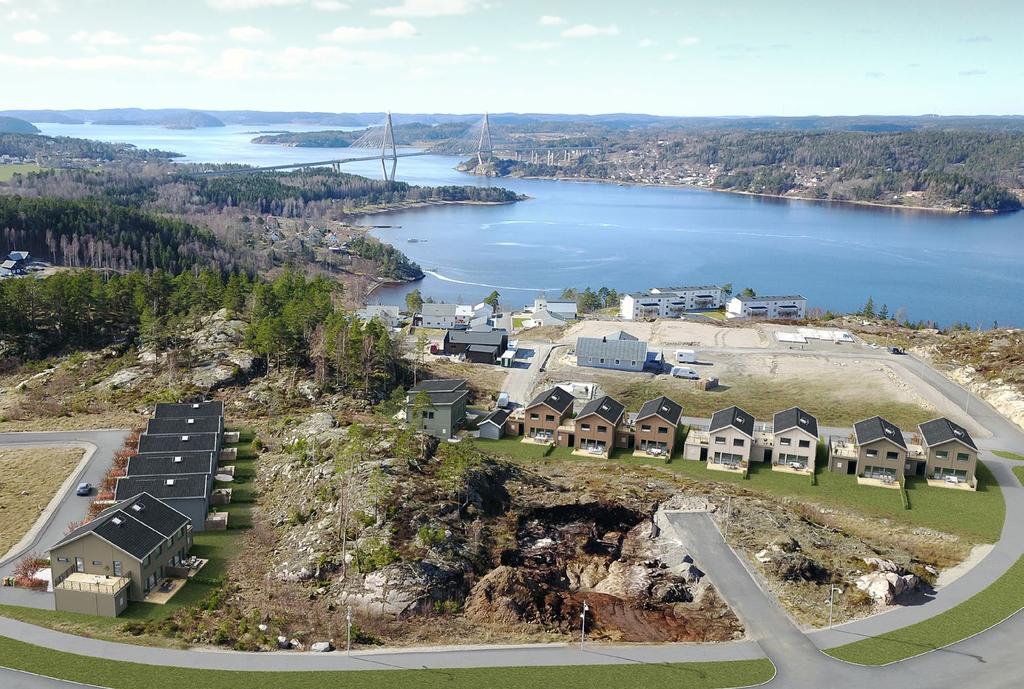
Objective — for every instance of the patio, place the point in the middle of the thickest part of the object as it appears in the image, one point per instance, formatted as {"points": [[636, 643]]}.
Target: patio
{"points": [[880, 482], [731, 467], [165, 590], [792, 468]]}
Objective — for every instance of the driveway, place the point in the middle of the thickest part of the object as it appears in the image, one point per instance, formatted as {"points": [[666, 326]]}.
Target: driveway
{"points": [[70, 508], [520, 381]]}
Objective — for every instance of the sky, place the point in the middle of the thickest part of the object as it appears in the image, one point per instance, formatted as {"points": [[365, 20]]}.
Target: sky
{"points": [[665, 57]]}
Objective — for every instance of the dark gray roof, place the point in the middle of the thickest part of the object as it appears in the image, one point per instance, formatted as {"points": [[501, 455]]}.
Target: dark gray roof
{"points": [[795, 417], [663, 407], [942, 430], [200, 424], [608, 408], [604, 348], [556, 398], [145, 522], [439, 385], [184, 463], [486, 349], [735, 417], [438, 309], [167, 410], [164, 487], [183, 442], [770, 297], [877, 428], [497, 417], [495, 338]]}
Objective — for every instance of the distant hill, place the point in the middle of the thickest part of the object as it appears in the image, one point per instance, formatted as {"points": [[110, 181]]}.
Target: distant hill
{"points": [[45, 116], [178, 119], [13, 125], [192, 120]]}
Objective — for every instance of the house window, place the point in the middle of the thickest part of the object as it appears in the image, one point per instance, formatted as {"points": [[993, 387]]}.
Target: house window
{"points": [[662, 430], [428, 415], [738, 442], [892, 455], [117, 568], [871, 453], [79, 564], [719, 440], [645, 427], [585, 426], [602, 429], [97, 563], [785, 441], [962, 456], [634, 363], [145, 563], [616, 362], [534, 417], [941, 454], [549, 417]]}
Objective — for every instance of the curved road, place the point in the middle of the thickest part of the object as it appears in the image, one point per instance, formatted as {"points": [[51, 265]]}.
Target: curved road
{"points": [[989, 660]]}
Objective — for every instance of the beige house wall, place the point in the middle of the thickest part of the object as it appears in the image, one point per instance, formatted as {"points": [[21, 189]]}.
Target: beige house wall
{"points": [[952, 448], [794, 435], [882, 447], [731, 436]]}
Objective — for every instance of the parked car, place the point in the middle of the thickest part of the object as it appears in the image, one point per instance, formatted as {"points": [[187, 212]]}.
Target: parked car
{"points": [[502, 400], [897, 350], [84, 489], [685, 372]]}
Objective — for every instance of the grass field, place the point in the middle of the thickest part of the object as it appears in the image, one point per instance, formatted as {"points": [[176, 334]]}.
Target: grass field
{"points": [[29, 477], [986, 608], [8, 171], [1019, 473], [219, 547], [1006, 454], [977, 516], [121, 675], [762, 396]]}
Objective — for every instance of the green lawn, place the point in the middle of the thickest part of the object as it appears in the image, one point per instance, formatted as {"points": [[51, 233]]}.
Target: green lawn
{"points": [[977, 516], [1019, 473], [8, 171], [219, 547], [121, 675], [1006, 454], [986, 608]]}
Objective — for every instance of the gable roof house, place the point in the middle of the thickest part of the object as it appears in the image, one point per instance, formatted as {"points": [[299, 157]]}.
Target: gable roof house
{"points": [[598, 427], [655, 427], [179, 442], [880, 452], [730, 440], [951, 455], [604, 352], [189, 425], [171, 464], [175, 410], [794, 441], [118, 556], [187, 493], [545, 413], [492, 426], [388, 314], [483, 347], [445, 411]]}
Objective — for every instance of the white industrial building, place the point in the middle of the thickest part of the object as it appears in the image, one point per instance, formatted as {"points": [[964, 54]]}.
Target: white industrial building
{"points": [[770, 307], [669, 302]]}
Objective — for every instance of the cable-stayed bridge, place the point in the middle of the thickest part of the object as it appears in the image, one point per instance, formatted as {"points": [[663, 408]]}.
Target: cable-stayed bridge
{"points": [[477, 140]]}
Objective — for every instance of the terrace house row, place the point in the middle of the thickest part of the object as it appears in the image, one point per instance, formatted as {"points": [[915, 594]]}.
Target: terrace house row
{"points": [[669, 302], [733, 439]]}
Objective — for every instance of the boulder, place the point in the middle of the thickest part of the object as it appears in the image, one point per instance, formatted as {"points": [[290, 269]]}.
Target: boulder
{"points": [[282, 642], [321, 647], [885, 587], [878, 564]]}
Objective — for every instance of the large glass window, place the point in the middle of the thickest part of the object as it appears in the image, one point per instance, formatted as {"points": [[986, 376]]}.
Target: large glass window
{"points": [[117, 568]]}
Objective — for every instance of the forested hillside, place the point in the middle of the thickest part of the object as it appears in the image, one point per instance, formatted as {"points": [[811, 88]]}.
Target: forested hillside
{"points": [[27, 145], [976, 170], [98, 234]]}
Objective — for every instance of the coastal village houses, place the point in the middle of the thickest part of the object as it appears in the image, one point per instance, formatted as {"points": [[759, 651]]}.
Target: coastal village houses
{"points": [[620, 351], [669, 302], [770, 307]]}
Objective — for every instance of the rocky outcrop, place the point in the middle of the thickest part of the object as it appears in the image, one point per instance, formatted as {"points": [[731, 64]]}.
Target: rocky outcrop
{"points": [[887, 582], [784, 560]]}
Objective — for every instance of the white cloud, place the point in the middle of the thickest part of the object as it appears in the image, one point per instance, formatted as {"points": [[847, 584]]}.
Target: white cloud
{"points": [[589, 30], [240, 5], [178, 37], [689, 40], [329, 5], [647, 43], [427, 8], [356, 34], [669, 57], [92, 62], [247, 33], [21, 15], [234, 63], [535, 46], [31, 36], [103, 37], [168, 49], [550, 20]]}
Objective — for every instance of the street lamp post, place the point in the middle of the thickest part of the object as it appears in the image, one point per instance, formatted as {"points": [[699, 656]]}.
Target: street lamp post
{"points": [[833, 590], [583, 626], [348, 636]]}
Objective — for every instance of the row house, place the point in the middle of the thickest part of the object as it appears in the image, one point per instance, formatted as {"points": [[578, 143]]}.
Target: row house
{"points": [[769, 307], [669, 302], [733, 439]]}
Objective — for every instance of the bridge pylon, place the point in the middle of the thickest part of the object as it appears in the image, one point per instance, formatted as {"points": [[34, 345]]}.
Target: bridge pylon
{"points": [[484, 145], [388, 141]]}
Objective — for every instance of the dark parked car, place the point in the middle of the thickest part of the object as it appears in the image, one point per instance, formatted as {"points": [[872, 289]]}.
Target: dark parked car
{"points": [[84, 489], [897, 350]]}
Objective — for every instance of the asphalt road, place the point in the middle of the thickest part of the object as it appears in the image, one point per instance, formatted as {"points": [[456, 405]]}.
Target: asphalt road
{"points": [[989, 660], [72, 507]]}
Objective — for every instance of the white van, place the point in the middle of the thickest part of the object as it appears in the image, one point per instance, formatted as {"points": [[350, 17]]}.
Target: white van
{"points": [[686, 356], [502, 400], [685, 372]]}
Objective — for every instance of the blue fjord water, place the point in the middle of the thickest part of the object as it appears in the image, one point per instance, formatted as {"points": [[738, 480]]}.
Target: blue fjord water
{"points": [[934, 266]]}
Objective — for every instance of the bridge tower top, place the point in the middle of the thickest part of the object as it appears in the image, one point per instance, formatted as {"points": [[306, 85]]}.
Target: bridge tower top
{"points": [[484, 147]]}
